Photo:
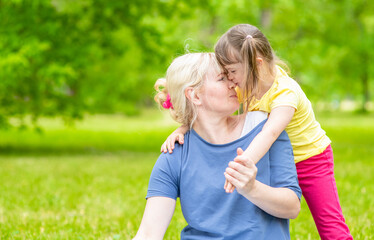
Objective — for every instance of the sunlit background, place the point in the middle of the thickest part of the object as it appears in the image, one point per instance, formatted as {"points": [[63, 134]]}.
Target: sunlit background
{"points": [[79, 132]]}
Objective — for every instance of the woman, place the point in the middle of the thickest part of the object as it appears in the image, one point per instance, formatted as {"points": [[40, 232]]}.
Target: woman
{"points": [[267, 193]]}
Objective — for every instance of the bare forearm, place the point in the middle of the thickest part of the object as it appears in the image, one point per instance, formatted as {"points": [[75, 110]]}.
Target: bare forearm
{"points": [[279, 202], [157, 215], [260, 145], [278, 120], [148, 232], [182, 129], [141, 236]]}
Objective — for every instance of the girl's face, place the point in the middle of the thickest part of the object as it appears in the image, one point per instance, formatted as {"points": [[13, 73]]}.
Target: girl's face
{"points": [[235, 73], [218, 93]]}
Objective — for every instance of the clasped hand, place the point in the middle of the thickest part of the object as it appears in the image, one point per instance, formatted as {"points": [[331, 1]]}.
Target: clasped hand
{"points": [[240, 174]]}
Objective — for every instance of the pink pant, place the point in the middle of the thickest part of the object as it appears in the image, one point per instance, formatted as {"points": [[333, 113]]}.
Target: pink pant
{"points": [[317, 182]]}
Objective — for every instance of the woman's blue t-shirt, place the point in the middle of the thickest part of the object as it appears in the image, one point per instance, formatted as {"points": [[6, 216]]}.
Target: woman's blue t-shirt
{"points": [[194, 173]]}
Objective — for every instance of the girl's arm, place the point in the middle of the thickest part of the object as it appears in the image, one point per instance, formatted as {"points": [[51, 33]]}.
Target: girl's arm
{"points": [[280, 202], [278, 120], [177, 135], [157, 215]]}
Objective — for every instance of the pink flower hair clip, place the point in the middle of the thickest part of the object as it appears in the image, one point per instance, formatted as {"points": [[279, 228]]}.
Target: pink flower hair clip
{"points": [[167, 104]]}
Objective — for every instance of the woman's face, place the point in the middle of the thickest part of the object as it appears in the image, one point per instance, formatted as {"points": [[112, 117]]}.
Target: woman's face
{"points": [[218, 93], [235, 73]]}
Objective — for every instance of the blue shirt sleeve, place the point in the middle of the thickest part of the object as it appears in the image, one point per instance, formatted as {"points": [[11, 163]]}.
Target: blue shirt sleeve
{"points": [[164, 180], [282, 166]]}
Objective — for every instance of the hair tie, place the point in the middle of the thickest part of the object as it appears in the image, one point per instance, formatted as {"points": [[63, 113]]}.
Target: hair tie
{"points": [[249, 36], [167, 104]]}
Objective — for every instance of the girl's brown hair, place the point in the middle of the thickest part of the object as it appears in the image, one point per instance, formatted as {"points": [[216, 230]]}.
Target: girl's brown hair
{"points": [[244, 43]]}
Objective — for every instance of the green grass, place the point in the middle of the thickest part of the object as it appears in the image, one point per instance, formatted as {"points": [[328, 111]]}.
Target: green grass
{"points": [[89, 181], [94, 134]]}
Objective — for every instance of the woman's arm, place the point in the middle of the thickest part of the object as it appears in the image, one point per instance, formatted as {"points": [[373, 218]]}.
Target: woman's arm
{"points": [[157, 215], [280, 202]]}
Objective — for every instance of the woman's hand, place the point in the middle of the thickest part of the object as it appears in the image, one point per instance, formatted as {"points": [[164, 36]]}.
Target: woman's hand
{"points": [[280, 202], [241, 174]]}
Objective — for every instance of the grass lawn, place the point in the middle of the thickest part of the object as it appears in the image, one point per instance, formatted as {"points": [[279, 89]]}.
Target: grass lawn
{"points": [[89, 181]]}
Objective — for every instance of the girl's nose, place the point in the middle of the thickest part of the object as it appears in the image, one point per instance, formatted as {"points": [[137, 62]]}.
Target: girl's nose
{"points": [[232, 84], [232, 79], [229, 76]]}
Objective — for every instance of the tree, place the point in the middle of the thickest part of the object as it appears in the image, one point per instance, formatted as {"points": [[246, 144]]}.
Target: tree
{"points": [[66, 58]]}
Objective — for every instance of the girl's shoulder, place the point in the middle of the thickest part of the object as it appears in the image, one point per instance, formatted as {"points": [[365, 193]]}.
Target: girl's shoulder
{"points": [[283, 81]]}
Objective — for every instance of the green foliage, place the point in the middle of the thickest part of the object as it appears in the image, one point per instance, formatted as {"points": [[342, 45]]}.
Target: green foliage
{"points": [[66, 58]]}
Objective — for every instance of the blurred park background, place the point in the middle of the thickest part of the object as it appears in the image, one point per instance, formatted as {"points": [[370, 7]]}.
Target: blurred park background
{"points": [[79, 132]]}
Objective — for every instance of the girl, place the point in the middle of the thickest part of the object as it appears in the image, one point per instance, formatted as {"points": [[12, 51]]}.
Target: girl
{"points": [[246, 55]]}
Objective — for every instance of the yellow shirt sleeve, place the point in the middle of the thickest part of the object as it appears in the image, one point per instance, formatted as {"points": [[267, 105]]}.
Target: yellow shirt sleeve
{"points": [[306, 135], [284, 97]]}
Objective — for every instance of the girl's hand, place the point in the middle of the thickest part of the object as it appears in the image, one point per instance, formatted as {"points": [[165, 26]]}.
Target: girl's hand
{"points": [[241, 173], [177, 135], [169, 143]]}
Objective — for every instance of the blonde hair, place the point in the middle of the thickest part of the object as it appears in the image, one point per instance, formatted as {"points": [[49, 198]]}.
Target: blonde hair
{"points": [[244, 43], [189, 70]]}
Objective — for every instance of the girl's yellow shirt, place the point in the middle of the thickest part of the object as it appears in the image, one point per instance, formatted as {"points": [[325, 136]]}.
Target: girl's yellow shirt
{"points": [[305, 133]]}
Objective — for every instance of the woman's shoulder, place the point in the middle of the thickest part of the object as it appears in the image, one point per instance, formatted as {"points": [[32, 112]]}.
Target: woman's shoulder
{"points": [[178, 151], [254, 122], [257, 116]]}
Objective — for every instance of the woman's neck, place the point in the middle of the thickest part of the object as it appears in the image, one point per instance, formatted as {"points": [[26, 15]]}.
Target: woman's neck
{"points": [[219, 130]]}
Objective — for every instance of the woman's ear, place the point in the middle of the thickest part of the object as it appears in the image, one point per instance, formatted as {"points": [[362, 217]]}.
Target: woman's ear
{"points": [[259, 61], [192, 96]]}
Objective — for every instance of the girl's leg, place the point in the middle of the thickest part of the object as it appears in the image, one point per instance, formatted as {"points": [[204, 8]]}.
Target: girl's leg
{"points": [[317, 182]]}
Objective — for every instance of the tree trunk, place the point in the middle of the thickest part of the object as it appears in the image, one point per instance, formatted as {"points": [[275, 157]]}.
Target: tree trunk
{"points": [[265, 20], [365, 84]]}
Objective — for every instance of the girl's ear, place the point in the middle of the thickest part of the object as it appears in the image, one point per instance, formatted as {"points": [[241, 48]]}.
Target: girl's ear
{"points": [[192, 96]]}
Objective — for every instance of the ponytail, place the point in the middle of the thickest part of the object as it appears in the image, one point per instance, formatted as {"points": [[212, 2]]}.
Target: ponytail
{"points": [[248, 54], [161, 91]]}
